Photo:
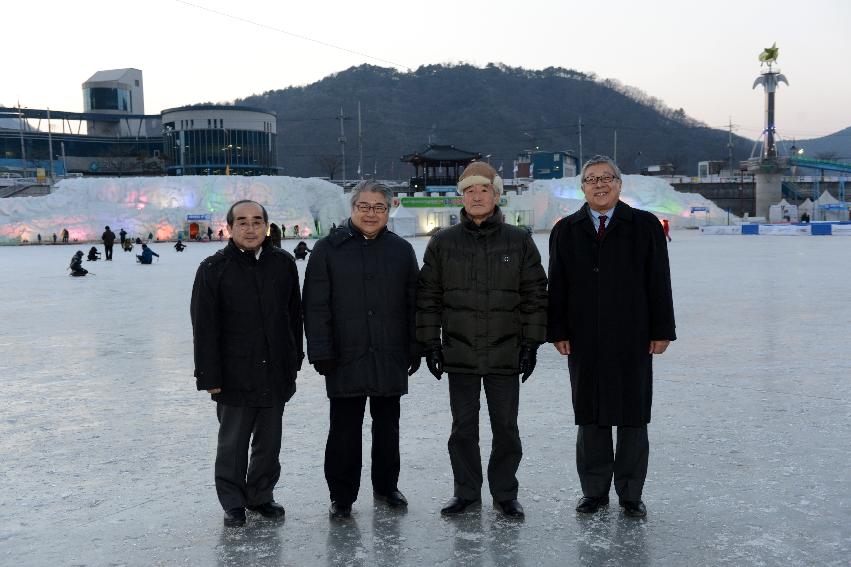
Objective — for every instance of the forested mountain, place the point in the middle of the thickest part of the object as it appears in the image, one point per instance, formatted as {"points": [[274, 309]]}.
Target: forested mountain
{"points": [[497, 110]]}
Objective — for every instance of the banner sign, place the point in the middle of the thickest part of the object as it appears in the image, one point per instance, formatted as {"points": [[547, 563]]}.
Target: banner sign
{"points": [[198, 217]]}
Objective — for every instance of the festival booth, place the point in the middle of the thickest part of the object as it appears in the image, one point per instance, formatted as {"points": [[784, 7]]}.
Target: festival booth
{"points": [[403, 222]]}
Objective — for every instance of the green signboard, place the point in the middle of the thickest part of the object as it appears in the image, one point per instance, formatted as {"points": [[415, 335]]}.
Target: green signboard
{"points": [[437, 202]]}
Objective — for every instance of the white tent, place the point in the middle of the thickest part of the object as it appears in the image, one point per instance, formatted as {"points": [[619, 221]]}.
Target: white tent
{"points": [[806, 207], [825, 208], [781, 211], [403, 222]]}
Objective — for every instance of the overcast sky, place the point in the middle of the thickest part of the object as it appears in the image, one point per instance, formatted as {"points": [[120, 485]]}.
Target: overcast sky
{"points": [[699, 57]]}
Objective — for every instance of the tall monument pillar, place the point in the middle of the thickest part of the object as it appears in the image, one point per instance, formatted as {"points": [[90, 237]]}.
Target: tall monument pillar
{"points": [[768, 168]]}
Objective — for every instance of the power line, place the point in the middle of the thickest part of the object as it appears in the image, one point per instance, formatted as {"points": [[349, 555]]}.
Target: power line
{"points": [[292, 34]]}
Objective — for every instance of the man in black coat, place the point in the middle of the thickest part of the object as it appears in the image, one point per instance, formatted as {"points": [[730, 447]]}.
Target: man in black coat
{"points": [[481, 314], [108, 238], [359, 309], [610, 311], [247, 332]]}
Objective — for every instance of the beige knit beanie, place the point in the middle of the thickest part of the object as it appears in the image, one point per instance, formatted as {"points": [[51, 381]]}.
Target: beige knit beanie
{"points": [[479, 173]]}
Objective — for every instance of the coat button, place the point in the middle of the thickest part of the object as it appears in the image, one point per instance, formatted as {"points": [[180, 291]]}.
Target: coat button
{"points": [[262, 362], [596, 269], [370, 312]]}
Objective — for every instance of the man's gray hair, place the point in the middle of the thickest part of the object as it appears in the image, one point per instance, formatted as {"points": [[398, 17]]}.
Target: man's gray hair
{"points": [[371, 186], [597, 160]]}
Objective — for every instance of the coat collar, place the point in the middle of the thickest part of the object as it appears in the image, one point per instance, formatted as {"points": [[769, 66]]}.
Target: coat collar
{"points": [[622, 213], [233, 251], [347, 231], [488, 225]]}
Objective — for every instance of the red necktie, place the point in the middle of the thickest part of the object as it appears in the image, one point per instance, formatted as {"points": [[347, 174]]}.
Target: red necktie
{"points": [[601, 232]]}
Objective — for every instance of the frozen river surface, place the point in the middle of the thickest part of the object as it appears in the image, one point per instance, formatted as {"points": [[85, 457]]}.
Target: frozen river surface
{"points": [[106, 449]]}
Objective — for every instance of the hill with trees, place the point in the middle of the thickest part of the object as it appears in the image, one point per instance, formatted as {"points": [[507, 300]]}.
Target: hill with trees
{"points": [[497, 110]]}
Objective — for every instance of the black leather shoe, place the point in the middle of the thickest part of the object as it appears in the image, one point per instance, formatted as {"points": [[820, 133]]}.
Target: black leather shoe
{"points": [[270, 509], [634, 508], [394, 499], [340, 511], [235, 517], [510, 508], [590, 504], [456, 505]]}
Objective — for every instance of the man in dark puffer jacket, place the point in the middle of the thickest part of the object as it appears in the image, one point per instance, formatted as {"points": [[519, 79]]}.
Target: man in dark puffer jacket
{"points": [[483, 287], [359, 304]]}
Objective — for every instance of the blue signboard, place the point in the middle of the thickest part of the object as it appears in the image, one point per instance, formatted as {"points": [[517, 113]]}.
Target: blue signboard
{"points": [[197, 217], [699, 209]]}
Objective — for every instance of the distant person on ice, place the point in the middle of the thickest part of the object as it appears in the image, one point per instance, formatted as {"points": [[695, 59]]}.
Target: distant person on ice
{"points": [[221, 234], [610, 312], [210, 233], [666, 228], [301, 250], [122, 234], [147, 255], [64, 236], [93, 254], [108, 238], [179, 246], [128, 245], [54, 238], [76, 266], [295, 231], [275, 235], [247, 332]]}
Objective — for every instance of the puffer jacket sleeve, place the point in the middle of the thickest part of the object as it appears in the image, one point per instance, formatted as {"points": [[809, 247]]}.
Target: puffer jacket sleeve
{"points": [[533, 294], [204, 312], [316, 301], [430, 298]]}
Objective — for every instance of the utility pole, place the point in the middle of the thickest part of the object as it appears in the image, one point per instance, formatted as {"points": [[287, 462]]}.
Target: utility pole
{"points": [[360, 146], [342, 140], [580, 142], [730, 145], [23, 147], [50, 145], [615, 157]]}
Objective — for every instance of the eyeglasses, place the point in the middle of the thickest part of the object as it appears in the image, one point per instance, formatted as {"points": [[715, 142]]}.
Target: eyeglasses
{"points": [[378, 209], [592, 179]]}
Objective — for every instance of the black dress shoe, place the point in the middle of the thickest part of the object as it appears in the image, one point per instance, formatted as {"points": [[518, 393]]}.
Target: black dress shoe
{"points": [[590, 504], [340, 511], [511, 508], [394, 499], [456, 505], [634, 508], [235, 517], [269, 509]]}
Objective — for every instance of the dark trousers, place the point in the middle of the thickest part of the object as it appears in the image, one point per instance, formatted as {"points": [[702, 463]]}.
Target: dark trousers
{"points": [[240, 481], [503, 395], [107, 250], [343, 452], [597, 464]]}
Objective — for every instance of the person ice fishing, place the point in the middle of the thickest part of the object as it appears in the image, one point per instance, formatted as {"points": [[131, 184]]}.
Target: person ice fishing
{"points": [[180, 246], [301, 250], [127, 246], [94, 255], [76, 266], [147, 255]]}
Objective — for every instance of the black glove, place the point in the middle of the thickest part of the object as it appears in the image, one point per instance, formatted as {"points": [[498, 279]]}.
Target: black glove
{"points": [[434, 360], [528, 360], [325, 367], [414, 364]]}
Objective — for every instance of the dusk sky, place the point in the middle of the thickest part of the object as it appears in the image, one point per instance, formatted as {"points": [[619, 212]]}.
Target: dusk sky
{"points": [[701, 57]]}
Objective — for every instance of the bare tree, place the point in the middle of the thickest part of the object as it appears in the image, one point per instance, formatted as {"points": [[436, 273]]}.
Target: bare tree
{"points": [[329, 164]]}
